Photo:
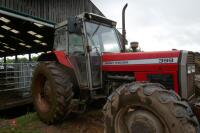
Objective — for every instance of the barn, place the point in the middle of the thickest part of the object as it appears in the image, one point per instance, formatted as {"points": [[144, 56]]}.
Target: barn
{"points": [[27, 26]]}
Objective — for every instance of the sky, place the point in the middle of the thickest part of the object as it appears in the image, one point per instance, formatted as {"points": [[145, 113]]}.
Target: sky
{"points": [[157, 25]]}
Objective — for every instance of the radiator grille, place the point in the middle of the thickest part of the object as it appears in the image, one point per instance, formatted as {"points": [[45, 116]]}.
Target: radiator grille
{"points": [[197, 62], [197, 75], [191, 76], [191, 58]]}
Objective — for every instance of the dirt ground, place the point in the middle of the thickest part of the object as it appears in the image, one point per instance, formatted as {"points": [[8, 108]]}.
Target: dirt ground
{"points": [[90, 122]]}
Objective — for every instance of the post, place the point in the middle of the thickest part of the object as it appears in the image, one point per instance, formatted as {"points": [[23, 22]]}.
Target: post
{"points": [[16, 59], [29, 57], [4, 59], [4, 63]]}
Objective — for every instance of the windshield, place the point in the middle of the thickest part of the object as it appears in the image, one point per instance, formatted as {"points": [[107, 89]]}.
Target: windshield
{"points": [[102, 37]]}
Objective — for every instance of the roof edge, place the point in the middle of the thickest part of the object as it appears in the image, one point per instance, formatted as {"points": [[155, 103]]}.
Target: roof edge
{"points": [[27, 17]]}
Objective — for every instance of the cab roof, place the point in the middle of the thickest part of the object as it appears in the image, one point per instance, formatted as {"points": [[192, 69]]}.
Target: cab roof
{"points": [[89, 17]]}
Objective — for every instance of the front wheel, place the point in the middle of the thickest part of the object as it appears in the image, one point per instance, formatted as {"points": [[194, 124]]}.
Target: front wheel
{"points": [[148, 108]]}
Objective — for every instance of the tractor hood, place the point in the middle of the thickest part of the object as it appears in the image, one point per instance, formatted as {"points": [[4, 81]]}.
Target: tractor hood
{"points": [[141, 61]]}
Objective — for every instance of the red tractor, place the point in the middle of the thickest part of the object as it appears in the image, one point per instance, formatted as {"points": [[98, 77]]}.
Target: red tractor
{"points": [[146, 92]]}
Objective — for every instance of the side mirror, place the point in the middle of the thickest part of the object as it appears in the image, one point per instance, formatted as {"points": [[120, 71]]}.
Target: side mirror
{"points": [[74, 25]]}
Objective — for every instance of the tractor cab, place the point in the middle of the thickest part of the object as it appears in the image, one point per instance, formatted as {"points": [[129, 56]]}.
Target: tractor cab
{"points": [[84, 38]]}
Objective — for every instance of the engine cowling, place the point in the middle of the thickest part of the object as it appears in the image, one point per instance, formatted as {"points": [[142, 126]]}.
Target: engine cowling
{"points": [[174, 69]]}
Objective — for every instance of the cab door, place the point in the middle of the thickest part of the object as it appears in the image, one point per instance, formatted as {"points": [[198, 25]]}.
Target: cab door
{"points": [[77, 56], [95, 63], [87, 62]]}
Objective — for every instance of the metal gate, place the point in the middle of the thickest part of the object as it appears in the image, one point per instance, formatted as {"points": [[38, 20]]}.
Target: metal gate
{"points": [[15, 81]]}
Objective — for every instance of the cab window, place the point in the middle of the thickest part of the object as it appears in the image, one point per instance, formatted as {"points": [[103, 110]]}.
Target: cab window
{"points": [[60, 39], [75, 43]]}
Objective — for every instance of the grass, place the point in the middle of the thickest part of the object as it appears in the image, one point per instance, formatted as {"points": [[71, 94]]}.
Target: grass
{"points": [[25, 124], [89, 122]]}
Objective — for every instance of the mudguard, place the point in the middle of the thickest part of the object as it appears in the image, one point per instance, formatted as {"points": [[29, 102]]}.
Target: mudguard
{"points": [[59, 56]]}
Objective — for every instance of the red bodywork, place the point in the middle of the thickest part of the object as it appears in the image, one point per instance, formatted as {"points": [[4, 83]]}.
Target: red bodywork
{"points": [[62, 58], [143, 63], [140, 64]]}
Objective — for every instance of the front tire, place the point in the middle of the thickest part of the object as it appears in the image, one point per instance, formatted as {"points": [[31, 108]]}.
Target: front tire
{"points": [[52, 92], [148, 108]]}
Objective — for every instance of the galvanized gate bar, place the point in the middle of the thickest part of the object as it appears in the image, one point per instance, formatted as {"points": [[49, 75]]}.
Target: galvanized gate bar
{"points": [[16, 76]]}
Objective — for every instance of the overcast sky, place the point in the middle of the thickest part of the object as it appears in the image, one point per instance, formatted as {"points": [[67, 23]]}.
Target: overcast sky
{"points": [[157, 24]]}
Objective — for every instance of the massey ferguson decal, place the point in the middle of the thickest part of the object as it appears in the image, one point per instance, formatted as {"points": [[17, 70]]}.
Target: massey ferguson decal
{"points": [[143, 61]]}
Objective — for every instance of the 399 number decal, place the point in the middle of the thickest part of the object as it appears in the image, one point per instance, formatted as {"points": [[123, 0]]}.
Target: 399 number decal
{"points": [[166, 60]]}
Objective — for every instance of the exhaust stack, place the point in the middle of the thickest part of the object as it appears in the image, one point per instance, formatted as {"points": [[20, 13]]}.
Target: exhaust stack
{"points": [[123, 28]]}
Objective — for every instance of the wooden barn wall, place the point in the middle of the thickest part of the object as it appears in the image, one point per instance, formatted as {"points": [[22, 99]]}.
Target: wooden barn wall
{"points": [[52, 10]]}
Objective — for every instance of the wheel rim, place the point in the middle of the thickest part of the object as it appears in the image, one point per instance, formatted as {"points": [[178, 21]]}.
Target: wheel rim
{"points": [[134, 121], [43, 91]]}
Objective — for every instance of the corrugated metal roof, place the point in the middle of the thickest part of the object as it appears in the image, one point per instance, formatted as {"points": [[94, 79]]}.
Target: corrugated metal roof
{"points": [[51, 10], [23, 34], [24, 16]]}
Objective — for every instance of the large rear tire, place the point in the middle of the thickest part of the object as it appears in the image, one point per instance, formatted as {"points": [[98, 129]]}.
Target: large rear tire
{"points": [[148, 108], [52, 92]]}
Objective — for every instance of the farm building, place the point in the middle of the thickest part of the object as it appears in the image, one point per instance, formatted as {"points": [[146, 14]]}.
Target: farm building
{"points": [[19, 19]]}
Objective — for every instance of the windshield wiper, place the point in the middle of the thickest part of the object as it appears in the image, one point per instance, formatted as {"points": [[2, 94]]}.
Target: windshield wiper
{"points": [[95, 30]]}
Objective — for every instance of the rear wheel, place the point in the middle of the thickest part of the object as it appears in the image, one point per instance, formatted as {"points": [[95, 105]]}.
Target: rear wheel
{"points": [[147, 108], [52, 92]]}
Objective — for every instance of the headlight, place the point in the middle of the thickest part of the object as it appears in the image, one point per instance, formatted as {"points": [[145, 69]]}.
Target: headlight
{"points": [[191, 69]]}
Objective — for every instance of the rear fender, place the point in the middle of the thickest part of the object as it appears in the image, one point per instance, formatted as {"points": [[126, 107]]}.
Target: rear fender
{"points": [[56, 56], [63, 59]]}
